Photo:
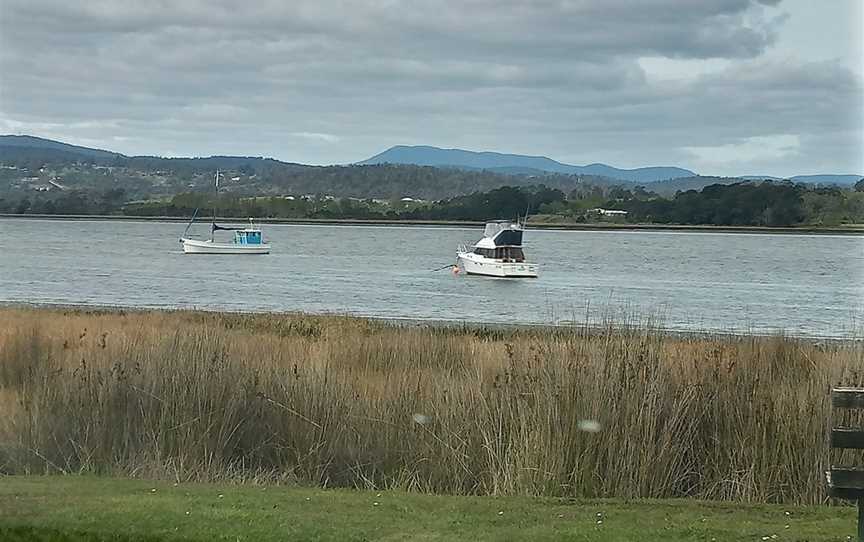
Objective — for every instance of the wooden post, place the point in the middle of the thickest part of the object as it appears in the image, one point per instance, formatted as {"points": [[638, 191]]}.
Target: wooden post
{"points": [[861, 519], [848, 482]]}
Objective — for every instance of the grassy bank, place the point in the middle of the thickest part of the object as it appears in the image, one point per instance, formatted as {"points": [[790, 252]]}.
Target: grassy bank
{"points": [[539, 223], [346, 402], [75, 509]]}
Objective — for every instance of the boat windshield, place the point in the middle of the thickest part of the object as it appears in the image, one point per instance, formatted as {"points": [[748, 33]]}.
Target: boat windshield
{"points": [[248, 237], [507, 254]]}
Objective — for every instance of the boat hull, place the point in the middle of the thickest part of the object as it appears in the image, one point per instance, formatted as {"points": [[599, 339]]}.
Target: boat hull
{"points": [[195, 246], [495, 268]]}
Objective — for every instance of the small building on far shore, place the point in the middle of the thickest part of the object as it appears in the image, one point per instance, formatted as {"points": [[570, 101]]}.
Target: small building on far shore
{"points": [[609, 212]]}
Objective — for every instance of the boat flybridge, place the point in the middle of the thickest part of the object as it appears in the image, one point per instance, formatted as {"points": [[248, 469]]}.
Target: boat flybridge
{"points": [[498, 254], [246, 240]]}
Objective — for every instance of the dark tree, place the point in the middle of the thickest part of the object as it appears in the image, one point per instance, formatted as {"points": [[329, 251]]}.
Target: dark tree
{"points": [[23, 206]]}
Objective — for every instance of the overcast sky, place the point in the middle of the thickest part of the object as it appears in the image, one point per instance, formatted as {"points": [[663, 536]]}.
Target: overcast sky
{"points": [[726, 87]]}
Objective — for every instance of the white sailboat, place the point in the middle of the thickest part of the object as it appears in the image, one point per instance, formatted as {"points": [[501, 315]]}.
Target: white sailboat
{"points": [[246, 240], [498, 254]]}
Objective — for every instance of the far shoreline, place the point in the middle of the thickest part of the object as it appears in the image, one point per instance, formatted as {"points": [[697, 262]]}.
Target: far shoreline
{"points": [[569, 226]]}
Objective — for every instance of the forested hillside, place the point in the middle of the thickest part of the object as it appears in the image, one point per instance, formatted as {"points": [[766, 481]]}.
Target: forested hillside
{"points": [[47, 177]]}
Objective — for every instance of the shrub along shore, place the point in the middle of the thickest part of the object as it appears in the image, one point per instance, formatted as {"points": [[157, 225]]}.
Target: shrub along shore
{"points": [[350, 402]]}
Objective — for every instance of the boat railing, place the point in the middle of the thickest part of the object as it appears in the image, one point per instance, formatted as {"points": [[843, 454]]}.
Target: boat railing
{"points": [[462, 247]]}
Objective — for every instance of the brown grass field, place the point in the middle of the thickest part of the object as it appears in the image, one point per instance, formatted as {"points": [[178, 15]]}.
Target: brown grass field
{"points": [[339, 401]]}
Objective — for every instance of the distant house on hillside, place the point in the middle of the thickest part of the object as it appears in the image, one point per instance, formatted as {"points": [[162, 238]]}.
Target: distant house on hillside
{"points": [[609, 212]]}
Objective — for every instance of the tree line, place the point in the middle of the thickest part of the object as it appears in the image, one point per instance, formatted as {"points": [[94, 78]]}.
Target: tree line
{"points": [[742, 204]]}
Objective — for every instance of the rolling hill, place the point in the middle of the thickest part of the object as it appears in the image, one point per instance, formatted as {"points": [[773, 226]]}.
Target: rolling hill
{"points": [[423, 155], [417, 171], [31, 164], [667, 188], [20, 142]]}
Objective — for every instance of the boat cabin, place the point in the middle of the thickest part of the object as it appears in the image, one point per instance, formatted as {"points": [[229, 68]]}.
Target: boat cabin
{"points": [[504, 233], [506, 254], [502, 240], [247, 237]]}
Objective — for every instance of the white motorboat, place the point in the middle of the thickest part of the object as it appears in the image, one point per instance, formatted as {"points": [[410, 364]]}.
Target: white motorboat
{"points": [[248, 240], [498, 254]]}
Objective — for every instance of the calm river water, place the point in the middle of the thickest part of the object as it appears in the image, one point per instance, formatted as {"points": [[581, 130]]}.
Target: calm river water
{"points": [[801, 284]]}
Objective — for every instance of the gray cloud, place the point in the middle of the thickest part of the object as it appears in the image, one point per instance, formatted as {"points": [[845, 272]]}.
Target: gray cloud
{"points": [[331, 81]]}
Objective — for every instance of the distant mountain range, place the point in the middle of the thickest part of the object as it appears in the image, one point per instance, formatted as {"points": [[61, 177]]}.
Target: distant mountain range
{"points": [[516, 164], [528, 170], [32, 164]]}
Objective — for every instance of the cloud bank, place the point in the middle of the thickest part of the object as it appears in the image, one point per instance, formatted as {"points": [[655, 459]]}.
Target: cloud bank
{"points": [[333, 82]]}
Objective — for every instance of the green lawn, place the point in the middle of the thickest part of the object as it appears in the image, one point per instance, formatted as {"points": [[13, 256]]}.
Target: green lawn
{"points": [[89, 509]]}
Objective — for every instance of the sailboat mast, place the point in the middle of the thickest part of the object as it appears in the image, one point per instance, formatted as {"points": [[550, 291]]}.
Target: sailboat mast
{"points": [[215, 198]]}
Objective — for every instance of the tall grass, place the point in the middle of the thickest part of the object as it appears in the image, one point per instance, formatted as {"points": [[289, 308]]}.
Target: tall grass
{"points": [[339, 401]]}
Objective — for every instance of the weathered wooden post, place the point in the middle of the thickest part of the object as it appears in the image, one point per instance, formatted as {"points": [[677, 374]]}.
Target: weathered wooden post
{"points": [[848, 482]]}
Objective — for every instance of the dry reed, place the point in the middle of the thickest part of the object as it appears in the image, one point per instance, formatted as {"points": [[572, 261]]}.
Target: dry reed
{"points": [[337, 401]]}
